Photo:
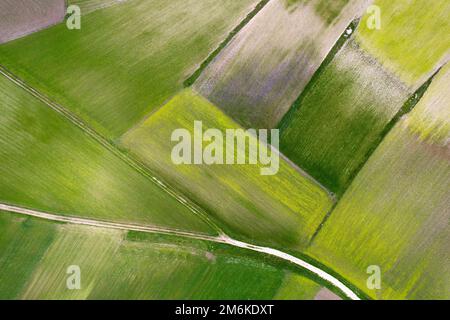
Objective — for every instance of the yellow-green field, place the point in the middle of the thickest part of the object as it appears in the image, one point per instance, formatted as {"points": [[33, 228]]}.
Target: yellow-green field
{"points": [[87, 123], [413, 40], [282, 209], [396, 212], [297, 287]]}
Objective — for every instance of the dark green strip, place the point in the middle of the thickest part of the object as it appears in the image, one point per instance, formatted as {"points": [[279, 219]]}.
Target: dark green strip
{"points": [[407, 107], [285, 121]]}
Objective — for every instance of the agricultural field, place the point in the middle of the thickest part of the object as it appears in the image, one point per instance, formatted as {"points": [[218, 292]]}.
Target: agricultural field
{"points": [[255, 79], [288, 205], [396, 212], [424, 29], [21, 17], [342, 115], [88, 6], [310, 290], [49, 164], [23, 242], [119, 265], [126, 60], [130, 149]]}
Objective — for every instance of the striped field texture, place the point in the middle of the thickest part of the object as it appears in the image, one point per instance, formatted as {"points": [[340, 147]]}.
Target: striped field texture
{"points": [[282, 209], [126, 60], [414, 38], [258, 76], [342, 115], [396, 213], [21, 17]]}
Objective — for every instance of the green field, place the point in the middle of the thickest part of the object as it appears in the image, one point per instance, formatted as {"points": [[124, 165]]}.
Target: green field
{"points": [[86, 131], [282, 209], [120, 265], [395, 214], [23, 242], [290, 289], [126, 60], [424, 29], [258, 76], [51, 165], [340, 117], [87, 6], [431, 117]]}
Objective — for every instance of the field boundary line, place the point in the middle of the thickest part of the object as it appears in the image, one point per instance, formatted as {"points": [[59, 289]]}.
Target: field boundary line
{"points": [[335, 49], [219, 239], [249, 17], [285, 120], [132, 162], [113, 3], [293, 165], [306, 175], [407, 107]]}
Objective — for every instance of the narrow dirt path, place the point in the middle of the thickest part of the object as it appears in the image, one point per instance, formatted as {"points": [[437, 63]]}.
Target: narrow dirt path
{"points": [[106, 143], [219, 239]]}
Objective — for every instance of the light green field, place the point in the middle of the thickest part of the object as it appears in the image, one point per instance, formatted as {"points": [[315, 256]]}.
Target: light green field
{"points": [[127, 59], [49, 164], [282, 209], [23, 242], [414, 37], [340, 117], [258, 76], [396, 212], [21, 17], [124, 74], [88, 6], [431, 118], [117, 265]]}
